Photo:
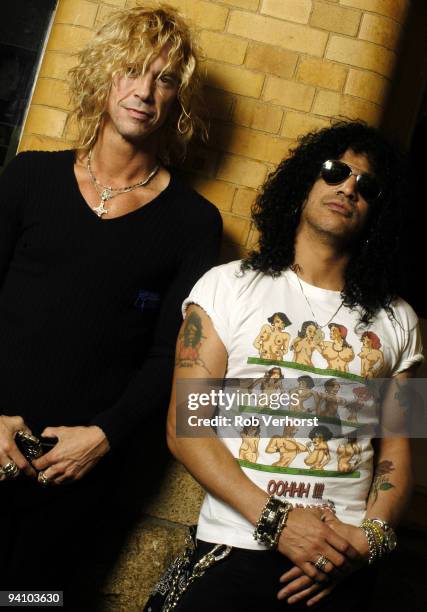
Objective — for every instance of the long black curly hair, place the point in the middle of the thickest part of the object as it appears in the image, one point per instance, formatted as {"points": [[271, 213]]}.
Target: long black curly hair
{"points": [[371, 278]]}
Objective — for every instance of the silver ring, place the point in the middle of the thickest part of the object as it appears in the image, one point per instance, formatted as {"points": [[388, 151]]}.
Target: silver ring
{"points": [[321, 562], [10, 470], [43, 479]]}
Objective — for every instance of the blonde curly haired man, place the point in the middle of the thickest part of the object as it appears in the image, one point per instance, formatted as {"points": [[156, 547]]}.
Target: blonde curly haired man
{"points": [[99, 246]]}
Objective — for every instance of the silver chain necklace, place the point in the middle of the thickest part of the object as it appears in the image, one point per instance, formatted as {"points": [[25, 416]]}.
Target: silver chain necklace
{"points": [[106, 192], [311, 310]]}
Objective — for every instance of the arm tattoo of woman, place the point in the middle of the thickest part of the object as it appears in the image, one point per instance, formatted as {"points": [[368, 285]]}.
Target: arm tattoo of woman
{"points": [[189, 343]]}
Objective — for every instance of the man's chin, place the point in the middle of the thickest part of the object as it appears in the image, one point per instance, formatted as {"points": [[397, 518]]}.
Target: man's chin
{"points": [[137, 138], [341, 239], [339, 231]]}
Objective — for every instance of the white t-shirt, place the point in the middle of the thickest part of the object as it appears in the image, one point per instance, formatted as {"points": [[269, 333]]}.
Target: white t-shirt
{"points": [[267, 322]]}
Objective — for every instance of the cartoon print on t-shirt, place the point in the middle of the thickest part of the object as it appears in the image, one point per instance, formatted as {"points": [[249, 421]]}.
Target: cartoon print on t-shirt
{"points": [[286, 446], [318, 448], [302, 393], [271, 382], [306, 342], [272, 341], [262, 341], [250, 435], [371, 356], [361, 395], [337, 351], [349, 454], [330, 400]]}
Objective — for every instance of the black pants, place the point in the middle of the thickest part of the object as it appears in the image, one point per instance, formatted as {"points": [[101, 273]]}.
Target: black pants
{"points": [[69, 537], [248, 581], [63, 538]]}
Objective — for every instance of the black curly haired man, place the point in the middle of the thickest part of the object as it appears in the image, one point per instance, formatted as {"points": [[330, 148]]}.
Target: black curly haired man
{"points": [[309, 532]]}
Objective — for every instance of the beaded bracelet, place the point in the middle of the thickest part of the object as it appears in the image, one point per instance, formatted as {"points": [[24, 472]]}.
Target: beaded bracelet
{"points": [[272, 521], [375, 540], [379, 536], [281, 524]]}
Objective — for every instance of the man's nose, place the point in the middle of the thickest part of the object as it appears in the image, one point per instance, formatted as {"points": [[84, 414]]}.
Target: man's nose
{"points": [[349, 187], [145, 86]]}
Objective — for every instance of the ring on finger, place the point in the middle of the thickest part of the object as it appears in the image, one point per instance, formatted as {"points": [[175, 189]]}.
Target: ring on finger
{"points": [[321, 562], [43, 479], [10, 470]]}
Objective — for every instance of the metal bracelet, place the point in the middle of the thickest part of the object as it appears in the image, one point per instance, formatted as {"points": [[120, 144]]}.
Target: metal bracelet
{"points": [[374, 550], [379, 536], [281, 524], [272, 521]]}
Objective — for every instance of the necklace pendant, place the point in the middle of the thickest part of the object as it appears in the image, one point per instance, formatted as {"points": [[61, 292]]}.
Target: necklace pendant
{"points": [[106, 194], [100, 210]]}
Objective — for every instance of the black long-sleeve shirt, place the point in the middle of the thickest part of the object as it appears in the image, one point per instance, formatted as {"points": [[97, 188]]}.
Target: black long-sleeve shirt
{"points": [[89, 307]]}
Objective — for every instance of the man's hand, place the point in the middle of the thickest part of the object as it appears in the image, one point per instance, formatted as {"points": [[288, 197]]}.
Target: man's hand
{"points": [[9, 452], [301, 586], [306, 537], [77, 451]]}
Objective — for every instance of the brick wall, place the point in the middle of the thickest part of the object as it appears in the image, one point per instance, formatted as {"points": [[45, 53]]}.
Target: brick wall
{"points": [[274, 70]]}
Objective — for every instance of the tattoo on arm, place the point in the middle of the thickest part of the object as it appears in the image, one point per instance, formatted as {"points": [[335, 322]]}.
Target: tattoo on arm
{"points": [[381, 479], [189, 343]]}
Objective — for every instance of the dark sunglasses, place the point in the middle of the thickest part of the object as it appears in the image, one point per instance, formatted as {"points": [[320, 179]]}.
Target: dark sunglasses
{"points": [[334, 172]]}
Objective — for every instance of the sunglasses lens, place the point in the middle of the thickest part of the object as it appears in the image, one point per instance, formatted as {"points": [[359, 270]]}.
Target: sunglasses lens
{"points": [[368, 187], [334, 172]]}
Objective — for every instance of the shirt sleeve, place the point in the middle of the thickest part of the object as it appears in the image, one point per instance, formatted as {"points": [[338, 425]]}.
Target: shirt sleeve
{"points": [[412, 346], [13, 193], [148, 392], [213, 293]]}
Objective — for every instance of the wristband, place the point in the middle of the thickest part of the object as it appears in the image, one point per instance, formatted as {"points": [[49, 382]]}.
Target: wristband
{"points": [[272, 521], [374, 549]]}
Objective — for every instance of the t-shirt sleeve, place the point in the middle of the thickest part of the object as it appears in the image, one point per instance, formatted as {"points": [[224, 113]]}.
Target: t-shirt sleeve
{"points": [[213, 292], [412, 345]]}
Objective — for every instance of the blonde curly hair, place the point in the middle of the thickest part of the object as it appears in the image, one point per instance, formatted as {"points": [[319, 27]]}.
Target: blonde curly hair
{"points": [[129, 41]]}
